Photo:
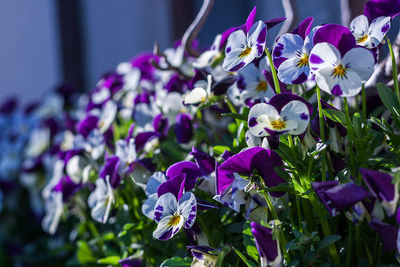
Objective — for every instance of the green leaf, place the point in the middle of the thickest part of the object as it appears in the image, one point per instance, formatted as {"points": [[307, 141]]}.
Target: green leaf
{"points": [[335, 115], [125, 229], [243, 257], [242, 117], [388, 97], [326, 241], [219, 150], [357, 124], [114, 260], [177, 262], [84, 253], [248, 242]]}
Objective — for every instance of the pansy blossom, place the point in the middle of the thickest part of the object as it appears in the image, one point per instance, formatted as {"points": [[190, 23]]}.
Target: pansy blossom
{"points": [[285, 113], [369, 35], [291, 53], [101, 199], [340, 67], [245, 45], [171, 214]]}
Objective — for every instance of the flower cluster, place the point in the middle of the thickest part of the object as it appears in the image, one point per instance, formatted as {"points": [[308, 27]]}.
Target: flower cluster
{"points": [[232, 150]]}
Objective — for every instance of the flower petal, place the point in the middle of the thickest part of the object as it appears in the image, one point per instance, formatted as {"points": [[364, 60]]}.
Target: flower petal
{"points": [[166, 205], [323, 55], [378, 29], [267, 247], [360, 60], [297, 111], [164, 229], [197, 95], [289, 72], [187, 207], [236, 40], [359, 26], [287, 46], [257, 37], [337, 35], [256, 128]]}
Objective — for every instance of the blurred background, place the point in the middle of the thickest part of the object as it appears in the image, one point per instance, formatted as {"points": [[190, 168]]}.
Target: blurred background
{"points": [[46, 43]]}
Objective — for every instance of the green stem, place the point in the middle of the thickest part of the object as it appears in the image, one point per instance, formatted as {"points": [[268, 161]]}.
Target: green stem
{"points": [[275, 77], [299, 214], [283, 240], [322, 132], [349, 244], [325, 229], [358, 241], [364, 102], [349, 127], [394, 69]]}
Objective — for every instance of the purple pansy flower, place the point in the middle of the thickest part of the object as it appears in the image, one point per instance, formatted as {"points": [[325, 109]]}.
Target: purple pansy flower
{"points": [[381, 187], [202, 256], [267, 247], [389, 234], [369, 35], [183, 128], [378, 8], [171, 214], [340, 67], [245, 45], [110, 169], [285, 113], [291, 53], [245, 162], [336, 197]]}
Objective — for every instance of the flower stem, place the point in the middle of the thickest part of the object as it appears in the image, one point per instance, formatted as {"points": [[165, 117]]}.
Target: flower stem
{"points": [[325, 229], [349, 127], [394, 69], [349, 243], [273, 71], [364, 103], [322, 132]]}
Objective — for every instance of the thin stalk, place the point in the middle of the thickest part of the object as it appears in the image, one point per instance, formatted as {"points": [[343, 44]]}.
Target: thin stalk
{"points": [[349, 127], [358, 241], [283, 240], [364, 102], [322, 132], [299, 214], [394, 69], [325, 229], [349, 244], [274, 76]]}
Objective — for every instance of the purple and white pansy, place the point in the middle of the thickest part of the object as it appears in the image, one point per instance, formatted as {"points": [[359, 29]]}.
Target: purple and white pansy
{"points": [[171, 214], [101, 199], [244, 46], [369, 35], [291, 53], [340, 67], [284, 114], [267, 246]]}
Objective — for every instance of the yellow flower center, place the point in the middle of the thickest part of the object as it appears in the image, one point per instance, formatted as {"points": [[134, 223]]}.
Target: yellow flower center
{"points": [[362, 39], [278, 124], [339, 71], [174, 221], [261, 87], [245, 52], [303, 61]]}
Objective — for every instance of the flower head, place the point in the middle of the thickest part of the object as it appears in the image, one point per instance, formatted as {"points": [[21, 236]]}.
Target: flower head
{"points": [[171, 214], [243, 47], [369, 35], [285, 113], [100, 200], [339, 66], [267, 246]]}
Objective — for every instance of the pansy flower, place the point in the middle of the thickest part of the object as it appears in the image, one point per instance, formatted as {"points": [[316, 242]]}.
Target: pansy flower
{"points": [[255, 81], [100, 200], [340, 67], [209, 56], [267, 246], [336, 197], [202, 256], [245, 45], [54, 209], [291, 53], [200, 93], [171, 214], [285, 113], [369, 35], [378, 8], [381, 186]]}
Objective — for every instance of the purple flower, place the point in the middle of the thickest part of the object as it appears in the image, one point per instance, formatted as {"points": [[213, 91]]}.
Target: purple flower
{"points": [[336, 197], [381, 187], [340, 67], [378, 8], [267, 247], [245, 162], [183, 128], [110, 168], [67, 187], [291, 53], [389, 234], [285, 113], [171, 214], [131, 262], [202, 255], [369, 35]]}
